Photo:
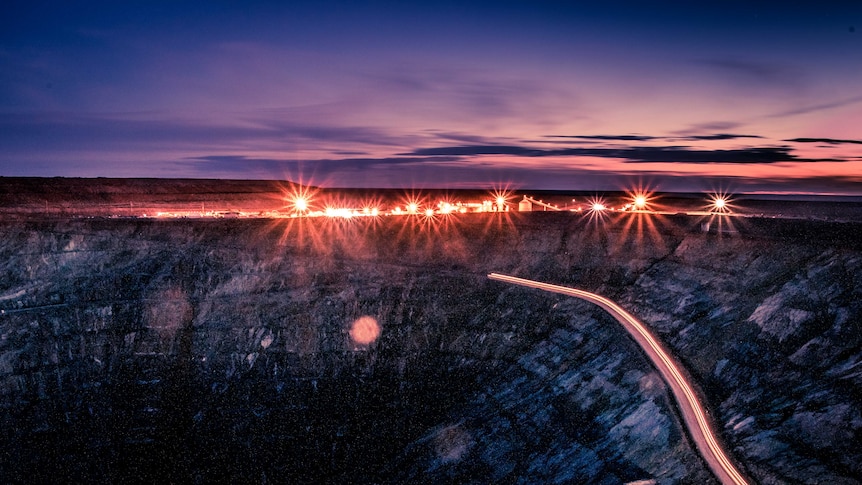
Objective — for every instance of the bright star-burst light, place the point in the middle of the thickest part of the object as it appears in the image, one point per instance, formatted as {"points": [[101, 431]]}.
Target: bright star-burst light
{"points": [[300, 200], [501, 198], [720, 203], [597, 209], [641, 198]]}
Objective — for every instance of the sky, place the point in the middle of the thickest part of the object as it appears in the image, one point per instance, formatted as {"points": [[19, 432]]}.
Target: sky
{"points": [[745, 97]]}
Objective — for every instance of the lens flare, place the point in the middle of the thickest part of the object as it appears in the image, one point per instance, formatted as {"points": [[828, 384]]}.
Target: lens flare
{"points": [[720, 203], [501, 199], [597, 209], [365, 330], [299, 200], [640, 198]]}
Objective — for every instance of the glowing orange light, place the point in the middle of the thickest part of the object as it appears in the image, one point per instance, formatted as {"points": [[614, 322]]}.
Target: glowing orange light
{"points": [[429, 212], [300, 200], [412, 207], [338, 212], [365, 330], [640, 198], [446, 207], [501, 197], [720, 203], [597, 209]]}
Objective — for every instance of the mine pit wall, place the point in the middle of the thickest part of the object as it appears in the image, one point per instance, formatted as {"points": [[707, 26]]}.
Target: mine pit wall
{"points": [[220, 351]]}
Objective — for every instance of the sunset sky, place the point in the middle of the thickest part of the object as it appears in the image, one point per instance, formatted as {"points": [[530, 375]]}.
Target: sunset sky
{"points": [[734, 96]]}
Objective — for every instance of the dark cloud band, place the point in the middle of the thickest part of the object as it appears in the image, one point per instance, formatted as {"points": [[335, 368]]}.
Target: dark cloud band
{"points": [[670, 154]]}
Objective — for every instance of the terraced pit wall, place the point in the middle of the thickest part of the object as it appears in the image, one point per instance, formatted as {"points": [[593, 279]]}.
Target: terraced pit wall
{"points": [[221, 350]]}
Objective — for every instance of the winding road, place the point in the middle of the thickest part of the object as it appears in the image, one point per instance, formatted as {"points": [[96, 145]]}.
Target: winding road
{"points": [[692, 411]]}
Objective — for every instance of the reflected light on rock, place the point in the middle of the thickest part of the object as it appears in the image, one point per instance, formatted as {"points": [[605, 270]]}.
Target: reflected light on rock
{"points": [[365, 330], [452, 443], [266, 341]]}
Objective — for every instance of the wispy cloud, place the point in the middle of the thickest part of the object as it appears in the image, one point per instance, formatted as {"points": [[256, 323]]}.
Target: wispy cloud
{"points": [[717, 136], [158, 131], [606, 137], [708, 127], [688, 136], [239, 163], [756, 72], [831, 141], [817, 107], [667, 154]]}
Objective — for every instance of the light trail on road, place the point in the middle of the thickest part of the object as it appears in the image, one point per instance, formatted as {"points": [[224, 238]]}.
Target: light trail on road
{"points": [[693, 413]]}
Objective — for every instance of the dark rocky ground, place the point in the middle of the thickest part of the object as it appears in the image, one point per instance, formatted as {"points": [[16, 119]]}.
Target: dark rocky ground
{"points": [[189, 351]]}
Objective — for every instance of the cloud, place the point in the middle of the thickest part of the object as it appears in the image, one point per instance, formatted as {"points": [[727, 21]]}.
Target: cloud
{"points": [[711, 126], [461, 137], [668, 154], [241, 163], [688, 136], [606, 137], [718, 136], [831, 141], [158, 132], [755, 72], [818, 107], [481, 150], [682, 155]]}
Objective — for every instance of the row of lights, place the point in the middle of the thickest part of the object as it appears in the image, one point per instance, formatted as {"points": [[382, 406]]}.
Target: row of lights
{"points": [[640, 201]]}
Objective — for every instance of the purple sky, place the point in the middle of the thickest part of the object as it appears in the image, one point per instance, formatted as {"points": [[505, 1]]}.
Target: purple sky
{"points": [[736, 96]]}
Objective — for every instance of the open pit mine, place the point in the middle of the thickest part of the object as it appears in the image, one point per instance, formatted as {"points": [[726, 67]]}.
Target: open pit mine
{"points": [[378, 351]]}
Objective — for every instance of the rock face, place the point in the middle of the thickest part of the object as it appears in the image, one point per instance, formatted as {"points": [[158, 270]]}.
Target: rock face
{"points": [[378, 352]]}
